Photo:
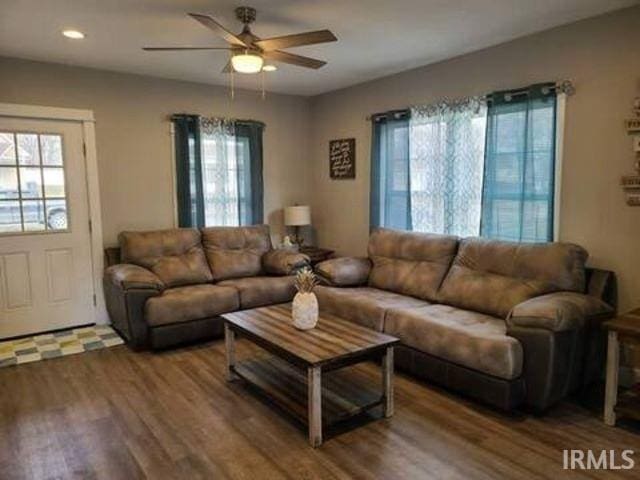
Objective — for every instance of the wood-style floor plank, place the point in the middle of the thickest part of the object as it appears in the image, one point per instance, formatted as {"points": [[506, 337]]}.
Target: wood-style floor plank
{"points": [[117, 414]]}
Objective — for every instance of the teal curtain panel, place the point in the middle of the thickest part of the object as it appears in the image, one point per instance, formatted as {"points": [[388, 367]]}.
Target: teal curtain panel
{"points": [[519, 180], [190, 200], [390, 202]]}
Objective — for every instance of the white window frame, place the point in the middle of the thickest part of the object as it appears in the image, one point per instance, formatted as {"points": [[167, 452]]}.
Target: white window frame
{"points": [[561, 102]]}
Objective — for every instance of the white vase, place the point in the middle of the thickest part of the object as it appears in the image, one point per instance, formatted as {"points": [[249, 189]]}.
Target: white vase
{"points": [[305, 311]]}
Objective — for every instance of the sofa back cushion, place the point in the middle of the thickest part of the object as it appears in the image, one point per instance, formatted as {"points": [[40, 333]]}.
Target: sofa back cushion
{"points": [[175, 255], [492, 276], [234, 252], [410, 263]]}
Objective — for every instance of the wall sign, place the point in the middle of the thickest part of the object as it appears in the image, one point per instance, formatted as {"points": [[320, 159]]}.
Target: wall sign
{"points": [[342, 158], [631, 183]]}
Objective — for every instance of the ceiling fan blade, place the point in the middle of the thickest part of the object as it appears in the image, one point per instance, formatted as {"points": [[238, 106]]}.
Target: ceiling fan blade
{"points": [[297, 40], [211, 24], [168, 49], [299, 60]]}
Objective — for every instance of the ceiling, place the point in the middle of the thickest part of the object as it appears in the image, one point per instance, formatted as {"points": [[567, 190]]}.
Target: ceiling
{"points": [[376, 37]]}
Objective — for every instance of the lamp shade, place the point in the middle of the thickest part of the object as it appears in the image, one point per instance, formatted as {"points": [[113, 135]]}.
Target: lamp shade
{"points": [[297, 216]]}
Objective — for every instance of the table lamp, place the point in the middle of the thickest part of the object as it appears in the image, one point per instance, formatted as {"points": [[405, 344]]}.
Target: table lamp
{"points": [[297, 216]]}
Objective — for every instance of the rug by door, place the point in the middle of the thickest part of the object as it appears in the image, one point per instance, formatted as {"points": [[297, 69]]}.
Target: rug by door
{"points": [[58, 344]]}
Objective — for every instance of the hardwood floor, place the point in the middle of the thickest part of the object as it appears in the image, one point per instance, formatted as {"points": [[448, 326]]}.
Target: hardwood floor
{"points": [[118, 414]]}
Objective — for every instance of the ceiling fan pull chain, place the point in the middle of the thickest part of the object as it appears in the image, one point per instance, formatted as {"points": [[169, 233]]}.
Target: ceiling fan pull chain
{"points": [[264, 95], [233, 93]]}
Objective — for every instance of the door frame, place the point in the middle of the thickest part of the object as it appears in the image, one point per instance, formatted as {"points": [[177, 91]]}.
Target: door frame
{"points": [[87, 123]]}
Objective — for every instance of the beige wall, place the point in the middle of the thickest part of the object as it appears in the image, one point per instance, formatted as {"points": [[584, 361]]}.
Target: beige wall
{"points": [[599, 55], [134, 142]]}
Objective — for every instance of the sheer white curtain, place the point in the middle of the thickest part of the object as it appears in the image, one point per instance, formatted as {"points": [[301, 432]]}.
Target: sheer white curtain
{"points": [[220, 172], [446, 160]]}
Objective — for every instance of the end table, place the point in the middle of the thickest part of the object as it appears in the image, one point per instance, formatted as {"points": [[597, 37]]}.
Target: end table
{"points": [[624, 329]]}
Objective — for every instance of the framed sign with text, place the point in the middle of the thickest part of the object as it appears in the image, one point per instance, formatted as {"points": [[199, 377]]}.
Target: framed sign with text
{"points": [[342, 158]]}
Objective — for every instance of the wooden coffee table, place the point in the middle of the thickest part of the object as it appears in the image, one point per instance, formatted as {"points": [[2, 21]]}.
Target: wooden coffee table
{"points": [[293, 377]]}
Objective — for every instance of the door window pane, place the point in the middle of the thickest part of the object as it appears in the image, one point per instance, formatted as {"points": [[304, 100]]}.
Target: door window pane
{"points": [[53, 182], [30, 182], [28, 150], [9, 183], [7, 149], [57, 215], [51, 149], [10, 219], [33, 215]]}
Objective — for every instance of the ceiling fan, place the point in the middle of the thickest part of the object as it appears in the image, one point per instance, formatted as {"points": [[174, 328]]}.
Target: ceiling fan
{"points": [[248, 52]]}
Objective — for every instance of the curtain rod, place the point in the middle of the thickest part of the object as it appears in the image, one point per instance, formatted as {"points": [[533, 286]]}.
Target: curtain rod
{"points": [[178, 116], [563, 86]]}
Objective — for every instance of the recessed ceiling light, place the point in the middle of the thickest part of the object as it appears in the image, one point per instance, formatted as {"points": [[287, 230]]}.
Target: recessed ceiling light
{"points": [[75, 34], [269, 68]]}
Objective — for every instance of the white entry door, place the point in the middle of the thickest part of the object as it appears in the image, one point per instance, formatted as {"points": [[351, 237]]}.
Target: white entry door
{"points": [[46, 280]]}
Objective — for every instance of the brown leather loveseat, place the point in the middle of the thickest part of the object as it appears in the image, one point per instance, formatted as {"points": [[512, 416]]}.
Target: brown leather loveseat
{"points": [[172, 285], [506, 323]]}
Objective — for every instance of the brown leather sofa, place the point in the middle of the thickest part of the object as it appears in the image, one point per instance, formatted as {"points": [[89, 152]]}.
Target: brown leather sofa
{"points": [[506, 323], [171, 286]]}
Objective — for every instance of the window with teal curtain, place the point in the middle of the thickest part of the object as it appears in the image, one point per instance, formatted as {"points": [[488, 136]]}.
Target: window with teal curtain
{"points": [[519, 183], [219, 171], [390, 203]]}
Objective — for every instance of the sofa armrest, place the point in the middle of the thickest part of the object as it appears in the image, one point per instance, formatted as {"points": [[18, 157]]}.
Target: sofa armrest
{"points": [[127, 276], [127, 289], [284, 262], [558, 312], [344, 271]]}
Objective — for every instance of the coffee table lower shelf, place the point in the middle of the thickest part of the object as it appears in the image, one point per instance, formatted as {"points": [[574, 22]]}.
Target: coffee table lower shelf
{"points": [[346, 395]]}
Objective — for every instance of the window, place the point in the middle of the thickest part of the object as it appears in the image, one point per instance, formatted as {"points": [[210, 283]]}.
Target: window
{"points": [[447, 157], [224, 174], [32, 183], [219, 171], [467, 168]]}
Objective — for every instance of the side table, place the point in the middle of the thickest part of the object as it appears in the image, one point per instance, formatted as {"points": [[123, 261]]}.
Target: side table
{"points": [[624, 329]]}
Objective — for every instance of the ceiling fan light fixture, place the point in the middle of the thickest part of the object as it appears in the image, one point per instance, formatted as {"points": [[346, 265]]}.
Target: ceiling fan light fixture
{"points": [[247, 62], [73, 34]]}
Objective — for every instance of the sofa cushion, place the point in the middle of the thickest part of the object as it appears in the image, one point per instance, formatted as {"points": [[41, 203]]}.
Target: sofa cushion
{"points": [[235, 252], [466, 338], [175, 256], [364, 305], [195, 302], [283, 262], [344, 271], [410, 263], [259, 291], [492, 277]]}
